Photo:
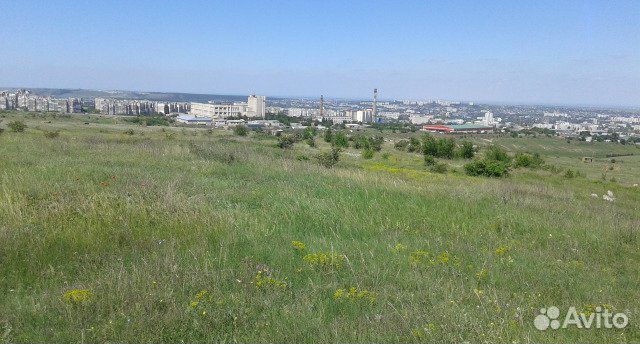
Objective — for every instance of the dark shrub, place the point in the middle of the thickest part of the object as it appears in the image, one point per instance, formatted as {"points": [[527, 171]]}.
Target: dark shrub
{"points": [[311, 141], [429, 160], [528, 160], [328, 135], [486, 167], [498, 154], [445, 148], [414, 145], [286, 141], [51, 134], [17, 126], [330, 158], [340, 140], [401, 145], [439, 167], [241, 130], [466, 150], [429, 145]]}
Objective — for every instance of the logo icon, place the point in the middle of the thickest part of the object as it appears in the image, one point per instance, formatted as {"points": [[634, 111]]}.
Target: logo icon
{"points": [[600, 317], [547, 317]]}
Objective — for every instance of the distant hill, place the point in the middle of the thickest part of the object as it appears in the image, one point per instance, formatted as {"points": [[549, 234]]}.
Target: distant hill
{"points": [[118, 94]]}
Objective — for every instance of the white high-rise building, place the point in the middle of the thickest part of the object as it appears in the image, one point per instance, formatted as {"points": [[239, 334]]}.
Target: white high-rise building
{"points": [[255, 106], [488, 118], [364, 116]]}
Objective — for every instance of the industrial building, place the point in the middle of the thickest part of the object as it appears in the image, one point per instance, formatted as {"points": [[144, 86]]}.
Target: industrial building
{"points": [[461, 128], [254, 107]]}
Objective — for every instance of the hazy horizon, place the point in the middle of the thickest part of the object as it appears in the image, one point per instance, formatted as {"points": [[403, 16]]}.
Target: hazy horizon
{"points": [[570, 53]]}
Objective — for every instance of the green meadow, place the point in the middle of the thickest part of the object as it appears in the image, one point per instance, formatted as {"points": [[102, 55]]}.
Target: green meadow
{"points": [[114, 232]]}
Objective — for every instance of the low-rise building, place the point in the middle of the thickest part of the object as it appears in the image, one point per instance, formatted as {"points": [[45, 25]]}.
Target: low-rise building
{"points": [[188, 119], [462, 128]]}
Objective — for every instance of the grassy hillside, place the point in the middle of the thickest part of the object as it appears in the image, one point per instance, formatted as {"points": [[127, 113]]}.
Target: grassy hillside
{"points": [[188, 235]]}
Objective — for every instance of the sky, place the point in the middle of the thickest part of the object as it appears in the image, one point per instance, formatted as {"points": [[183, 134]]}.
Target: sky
{"points": [[533, 52]]}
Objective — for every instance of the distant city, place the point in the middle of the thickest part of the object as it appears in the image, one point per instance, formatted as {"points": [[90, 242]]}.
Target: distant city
{"points": [[586, 123]]}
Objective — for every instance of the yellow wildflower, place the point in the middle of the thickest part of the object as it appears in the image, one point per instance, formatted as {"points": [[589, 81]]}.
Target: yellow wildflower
{"points": [[399, 248], [502, 250], [354, 295], [417, 256], [298, 245], [443, 258], [201, 294], [77, 296], [325, 260]]}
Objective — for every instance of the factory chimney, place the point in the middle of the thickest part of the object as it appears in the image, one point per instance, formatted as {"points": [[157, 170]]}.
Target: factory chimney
{"points": [[375, 105]]}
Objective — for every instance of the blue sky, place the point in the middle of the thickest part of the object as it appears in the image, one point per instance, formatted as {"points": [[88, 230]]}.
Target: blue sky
{"points": [[571, 52]]}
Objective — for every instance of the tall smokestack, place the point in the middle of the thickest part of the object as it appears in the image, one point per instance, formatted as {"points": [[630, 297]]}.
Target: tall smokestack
{"points": [[321, 106], [375, 104]]}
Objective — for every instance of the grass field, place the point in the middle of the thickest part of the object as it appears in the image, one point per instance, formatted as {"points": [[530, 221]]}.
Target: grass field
{"points": [[186, 235]]}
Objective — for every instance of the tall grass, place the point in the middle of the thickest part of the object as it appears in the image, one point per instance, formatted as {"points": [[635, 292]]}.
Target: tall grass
{"points": [[169, 237]]}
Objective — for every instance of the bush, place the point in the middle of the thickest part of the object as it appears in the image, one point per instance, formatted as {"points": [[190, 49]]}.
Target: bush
{"points": [[151, 120], [241, 130], [528, 160], [486, 167], [401, 145], [309, 133], [51, 134], [466, 150], [302, 158], [330, 158], [570, 174], [429, 160], [445, 148], [17, 126], [311, 142], [286, 141], [376, 142], [440, 148], [498, 154], [368, 153], [439, 167], [363, 142], [495, 168], [328, 135], [414, 145], [429, 145], [340, 140]]}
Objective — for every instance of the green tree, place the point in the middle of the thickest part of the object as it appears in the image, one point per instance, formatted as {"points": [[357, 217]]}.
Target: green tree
{"points": [[328, 135], [466, 150], [445, 147], [414, 145], [340, 140], [429, 145]]}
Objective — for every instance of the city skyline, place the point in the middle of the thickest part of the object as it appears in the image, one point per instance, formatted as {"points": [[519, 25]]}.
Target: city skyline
{"points": [[573, 53]]}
